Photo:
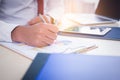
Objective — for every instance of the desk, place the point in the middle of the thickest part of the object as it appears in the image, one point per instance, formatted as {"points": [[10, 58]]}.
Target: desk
{"points": [[13, 66]]}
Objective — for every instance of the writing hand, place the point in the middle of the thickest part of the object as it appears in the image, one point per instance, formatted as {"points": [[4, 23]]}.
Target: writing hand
{"points": [[38, 34]]}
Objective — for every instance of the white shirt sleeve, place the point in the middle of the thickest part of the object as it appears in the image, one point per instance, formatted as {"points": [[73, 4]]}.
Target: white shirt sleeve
{"points": [[13, 13], [5, 31]]}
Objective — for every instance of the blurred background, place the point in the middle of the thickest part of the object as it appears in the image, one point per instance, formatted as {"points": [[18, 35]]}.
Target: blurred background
{"points": [[80, 6], [70, 6]]}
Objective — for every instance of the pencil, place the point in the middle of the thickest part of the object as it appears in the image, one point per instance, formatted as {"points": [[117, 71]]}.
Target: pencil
{"points": [[86, 49], [41, 17]]}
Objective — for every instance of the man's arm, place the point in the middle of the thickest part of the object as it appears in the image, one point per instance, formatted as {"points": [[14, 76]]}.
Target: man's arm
{"points": [[36, 34], [39, 34]]}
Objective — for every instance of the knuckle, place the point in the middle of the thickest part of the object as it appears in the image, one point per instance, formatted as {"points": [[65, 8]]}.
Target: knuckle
{"points": [[55, 36], [50, 41]]}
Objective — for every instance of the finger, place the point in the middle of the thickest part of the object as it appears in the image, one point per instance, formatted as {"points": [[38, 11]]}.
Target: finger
{"points": [[47, 40], [43, 41], [53, 28], [42, 44], [38, 20], [51, 35], [34, 21], [39, 43], [47, 27], [44, 30], [47, 19]]}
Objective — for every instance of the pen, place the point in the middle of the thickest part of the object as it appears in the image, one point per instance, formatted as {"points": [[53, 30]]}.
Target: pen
{"points": [[86, 49], [44, 21], [41, 17]]}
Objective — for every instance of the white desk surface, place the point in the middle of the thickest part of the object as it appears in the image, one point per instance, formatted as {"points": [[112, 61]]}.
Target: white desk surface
{"points": [[13, 66]]}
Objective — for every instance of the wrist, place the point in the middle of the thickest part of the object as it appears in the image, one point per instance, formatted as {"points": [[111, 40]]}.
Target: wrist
{"points": [[17, 33]]}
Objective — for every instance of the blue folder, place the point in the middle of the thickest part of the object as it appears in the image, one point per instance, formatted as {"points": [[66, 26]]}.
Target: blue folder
{"points": [[73, 67]]}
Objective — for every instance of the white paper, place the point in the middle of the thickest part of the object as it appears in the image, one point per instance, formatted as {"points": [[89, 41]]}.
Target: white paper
{"points": [[63, 44]]}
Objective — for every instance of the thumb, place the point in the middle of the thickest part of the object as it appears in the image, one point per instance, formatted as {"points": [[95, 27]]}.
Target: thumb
{"points": [[34, 21]]}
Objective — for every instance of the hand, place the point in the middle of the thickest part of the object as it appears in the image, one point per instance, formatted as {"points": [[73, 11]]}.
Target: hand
{"points": [[39, 34], [38, 20]]}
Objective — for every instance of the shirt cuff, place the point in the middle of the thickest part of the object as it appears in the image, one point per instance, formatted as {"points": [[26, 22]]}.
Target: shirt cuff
{"points": [[5, 31]]}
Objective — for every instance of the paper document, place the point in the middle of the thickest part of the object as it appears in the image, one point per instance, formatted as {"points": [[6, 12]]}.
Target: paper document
{"points": [[63, 44]]}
